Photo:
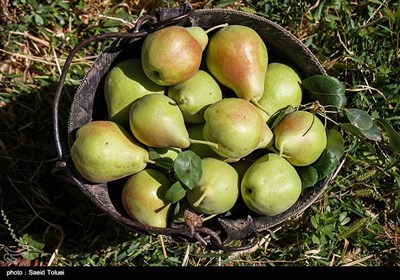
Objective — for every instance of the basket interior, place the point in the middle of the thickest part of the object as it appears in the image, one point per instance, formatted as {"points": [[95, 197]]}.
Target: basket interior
{"points": [[89, 104]]}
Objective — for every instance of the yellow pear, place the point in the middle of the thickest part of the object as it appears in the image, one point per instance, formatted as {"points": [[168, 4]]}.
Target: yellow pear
{"points": [[143, 197], [282, 88], [104, 151]]}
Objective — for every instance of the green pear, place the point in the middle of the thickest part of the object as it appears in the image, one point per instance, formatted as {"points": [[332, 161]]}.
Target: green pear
{"points": [[171, 55], [270, 186], [196, 132], [218, 188], [238, 58], [199, 34], [104, 151], [195, 95], [143, 197], [156, 121], [282, 88], [237, 127], [125, 83], [300, 137]]}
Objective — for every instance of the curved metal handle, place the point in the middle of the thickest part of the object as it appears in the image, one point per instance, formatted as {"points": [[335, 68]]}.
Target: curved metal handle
{"points": [[56, 101], [137, 33]]}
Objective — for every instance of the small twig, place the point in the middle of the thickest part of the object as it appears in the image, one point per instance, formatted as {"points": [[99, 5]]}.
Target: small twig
{"points": [[37, 59], [186, 257], [344, 45], [365, 88], [33, 38], [358, 261], [53, 257], [131, 25], [57, 62], [160, 237]]}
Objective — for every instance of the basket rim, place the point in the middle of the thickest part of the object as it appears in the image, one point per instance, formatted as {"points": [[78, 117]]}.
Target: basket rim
{"points": [[98, 193]]}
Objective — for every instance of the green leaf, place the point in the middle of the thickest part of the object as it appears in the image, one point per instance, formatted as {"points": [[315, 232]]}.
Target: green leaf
{"points": [[175, 193], [38, 19], [308, 176], [328, 230], [372, 133], [153, 154], [326, 163], [335, 143], [327, 90], [314, 222], [34, 247], [161, 158], [359, 118], [393, 135], [352, 129], [187, 168]]}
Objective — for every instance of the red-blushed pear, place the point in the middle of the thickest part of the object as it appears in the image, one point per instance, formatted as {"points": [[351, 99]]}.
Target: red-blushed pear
{"points": [[237, 127], [143, 197], [300, 137], [199, 34], [270, 185], [218, 188], [282, 88], [104, 151], [171, 55], [125, 83], [237, 57]]}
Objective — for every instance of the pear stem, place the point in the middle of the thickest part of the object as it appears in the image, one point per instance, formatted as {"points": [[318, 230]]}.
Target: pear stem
{"points": [[150, 161], [194, 141], [255, 103], [281, 154], [217, 26], [197, 203], [159, 164]]}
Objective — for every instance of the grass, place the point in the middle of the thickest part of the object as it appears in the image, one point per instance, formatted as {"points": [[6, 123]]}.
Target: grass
{"points": [[47, 221]]}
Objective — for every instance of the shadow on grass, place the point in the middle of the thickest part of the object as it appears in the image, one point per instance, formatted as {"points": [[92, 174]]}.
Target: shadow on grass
{"points": [[35, 201]]}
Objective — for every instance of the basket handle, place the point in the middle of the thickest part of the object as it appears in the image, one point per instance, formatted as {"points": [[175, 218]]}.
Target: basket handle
{"points": [[137, 32]]}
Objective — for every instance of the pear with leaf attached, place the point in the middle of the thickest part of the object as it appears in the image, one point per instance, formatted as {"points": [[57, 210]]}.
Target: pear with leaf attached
{"points": [[104, 151], [237, 57]]}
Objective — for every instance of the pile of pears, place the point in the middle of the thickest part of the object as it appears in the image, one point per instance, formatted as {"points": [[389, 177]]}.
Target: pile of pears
{"points": [[213, 93]]}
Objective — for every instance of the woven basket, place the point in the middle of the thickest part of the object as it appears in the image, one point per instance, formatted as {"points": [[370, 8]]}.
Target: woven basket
{"points": [[89, 104]]}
